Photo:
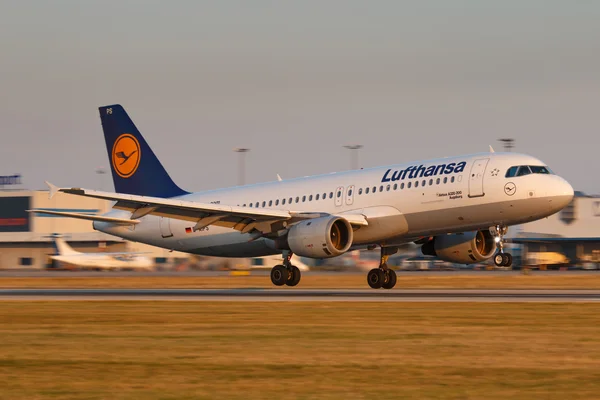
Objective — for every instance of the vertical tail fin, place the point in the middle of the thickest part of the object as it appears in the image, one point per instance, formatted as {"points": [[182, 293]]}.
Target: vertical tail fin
{"points": [[62, 248], [135, 168]]}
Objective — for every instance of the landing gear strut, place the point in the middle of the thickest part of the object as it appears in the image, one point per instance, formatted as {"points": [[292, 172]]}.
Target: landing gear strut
{"points": [[285, 274], [383, 277], [501, 259]]}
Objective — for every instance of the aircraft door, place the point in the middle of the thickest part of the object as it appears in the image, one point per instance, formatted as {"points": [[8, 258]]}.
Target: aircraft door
{"points": [[350, 195], [476, 177], [165, 227], [339, 196]]}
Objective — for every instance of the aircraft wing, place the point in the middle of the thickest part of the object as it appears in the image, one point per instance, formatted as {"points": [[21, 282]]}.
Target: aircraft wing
{"points": [[244, 219], [86, 216]]}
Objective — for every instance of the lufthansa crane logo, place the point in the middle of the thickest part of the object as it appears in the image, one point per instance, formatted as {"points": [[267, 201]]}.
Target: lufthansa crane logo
{"points": [[126, 155], [510, 188]]}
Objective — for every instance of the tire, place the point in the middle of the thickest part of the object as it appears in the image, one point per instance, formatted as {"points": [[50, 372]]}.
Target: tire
{"points": [[295, 276], [499, 259], [375, 278], [390, 282], [279, 275], [507, 260]]}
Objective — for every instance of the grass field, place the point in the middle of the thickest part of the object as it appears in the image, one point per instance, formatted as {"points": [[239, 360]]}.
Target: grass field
{"points": [[245, 350], [480, 281]]}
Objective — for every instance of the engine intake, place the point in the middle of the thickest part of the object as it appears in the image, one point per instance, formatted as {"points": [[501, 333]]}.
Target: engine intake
{"points": [[322, 237], [461, 248]]}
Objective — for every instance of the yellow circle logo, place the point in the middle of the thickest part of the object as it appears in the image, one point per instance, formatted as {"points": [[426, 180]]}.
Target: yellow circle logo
{"points": [[126, 155]]}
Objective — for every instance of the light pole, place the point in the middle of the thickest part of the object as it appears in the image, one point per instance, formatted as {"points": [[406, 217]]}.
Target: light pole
{"points": [[100, 171], [354, 148], [508, 143], [241, 164]]}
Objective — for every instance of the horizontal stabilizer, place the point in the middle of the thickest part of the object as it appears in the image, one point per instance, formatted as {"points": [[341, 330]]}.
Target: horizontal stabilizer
{"points": [[88, 217]]}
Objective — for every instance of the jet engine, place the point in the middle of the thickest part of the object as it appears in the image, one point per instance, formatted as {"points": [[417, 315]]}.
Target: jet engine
{"points": [[461, 248], [322, 237]]}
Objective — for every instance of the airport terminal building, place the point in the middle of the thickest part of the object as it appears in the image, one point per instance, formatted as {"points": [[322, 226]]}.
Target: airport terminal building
{"points": [[25, 238], [574, 232]]}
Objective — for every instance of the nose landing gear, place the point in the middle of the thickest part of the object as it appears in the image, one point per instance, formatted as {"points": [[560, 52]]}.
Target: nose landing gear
{"points": [[285, 274], [383, 277], [501, 259]]}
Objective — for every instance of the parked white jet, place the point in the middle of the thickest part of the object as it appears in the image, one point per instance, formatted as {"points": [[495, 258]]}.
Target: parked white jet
{"points": [[100, 261], [457, 208]]}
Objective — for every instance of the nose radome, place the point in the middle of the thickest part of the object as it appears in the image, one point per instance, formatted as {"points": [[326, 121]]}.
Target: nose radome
{"points": [[563, 192], [566, 189]]}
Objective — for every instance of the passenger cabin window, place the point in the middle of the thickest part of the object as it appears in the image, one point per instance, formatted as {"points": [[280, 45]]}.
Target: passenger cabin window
{"points": [[367, 191], [331, 195], [283, 202], [359, 191], [270, 203], [303, 198], [317, 198], [417, 184], [395, 186], [402, 186], [310, 198]]}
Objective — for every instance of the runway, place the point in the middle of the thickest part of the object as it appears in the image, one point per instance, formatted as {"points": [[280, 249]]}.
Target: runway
{"points": [[326, 295]]}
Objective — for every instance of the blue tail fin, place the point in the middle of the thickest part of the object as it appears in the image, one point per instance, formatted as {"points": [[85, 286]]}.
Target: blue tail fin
{"points": [[135, 168]]}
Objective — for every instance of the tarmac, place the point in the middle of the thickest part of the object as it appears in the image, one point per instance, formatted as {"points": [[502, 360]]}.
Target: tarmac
{"points": [[322, 295]]}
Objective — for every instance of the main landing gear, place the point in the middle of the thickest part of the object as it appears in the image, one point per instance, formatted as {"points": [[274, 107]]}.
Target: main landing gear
{"points": [[286, 274], [383, 277], [501, 259]]}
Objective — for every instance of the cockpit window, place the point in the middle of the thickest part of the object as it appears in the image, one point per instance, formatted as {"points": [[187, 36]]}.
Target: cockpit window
{"points": [[522, 170], [512, 171], [539, 169]]}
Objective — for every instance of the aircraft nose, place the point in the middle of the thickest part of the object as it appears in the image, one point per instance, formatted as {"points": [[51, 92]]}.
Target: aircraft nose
{"points": [[562, 192]]}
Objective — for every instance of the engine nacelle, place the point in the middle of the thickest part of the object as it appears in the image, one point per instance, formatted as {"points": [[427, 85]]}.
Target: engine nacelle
{"points": [[322, 237], [461, 248]]}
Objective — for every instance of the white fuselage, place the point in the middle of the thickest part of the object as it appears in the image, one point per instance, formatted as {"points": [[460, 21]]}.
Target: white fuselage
{"points": [[401, 203]]}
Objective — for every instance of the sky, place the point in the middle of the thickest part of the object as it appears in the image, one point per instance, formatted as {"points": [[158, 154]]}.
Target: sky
{"points": [[295, 81]]}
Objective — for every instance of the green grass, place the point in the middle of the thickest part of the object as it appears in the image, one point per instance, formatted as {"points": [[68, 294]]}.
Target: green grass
{"points": [[304, 350]]}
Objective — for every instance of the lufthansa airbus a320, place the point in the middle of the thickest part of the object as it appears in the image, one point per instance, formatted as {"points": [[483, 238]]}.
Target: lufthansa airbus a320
{"points": [[457, 208]]}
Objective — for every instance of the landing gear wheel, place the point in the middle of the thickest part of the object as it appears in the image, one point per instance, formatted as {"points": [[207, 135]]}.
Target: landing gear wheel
{"points": [[375, 278], [279, 275], [294, 276], [499, 260], [390, 279], [507, 260]]}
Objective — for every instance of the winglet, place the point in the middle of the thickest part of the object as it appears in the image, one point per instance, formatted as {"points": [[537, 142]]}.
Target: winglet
{"points": [[52, 188], [491, 149], [279, 178]]}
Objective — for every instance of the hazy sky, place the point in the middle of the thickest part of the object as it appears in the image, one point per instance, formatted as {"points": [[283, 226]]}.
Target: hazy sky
{"points": [[296, 80]]}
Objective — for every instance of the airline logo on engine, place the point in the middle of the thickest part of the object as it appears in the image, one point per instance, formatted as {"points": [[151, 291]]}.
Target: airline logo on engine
{"points": [[421, 171]]}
